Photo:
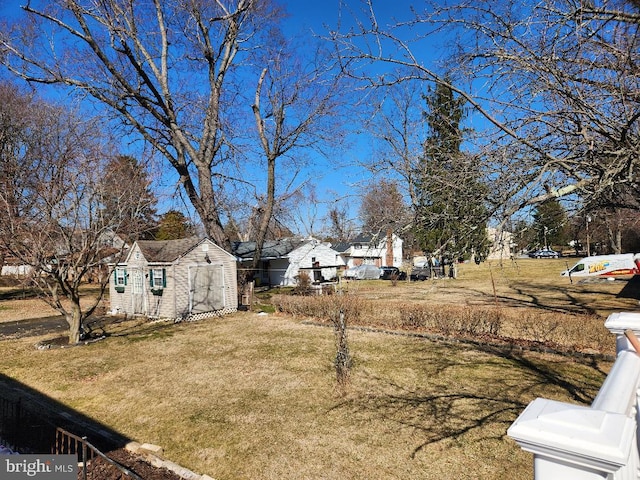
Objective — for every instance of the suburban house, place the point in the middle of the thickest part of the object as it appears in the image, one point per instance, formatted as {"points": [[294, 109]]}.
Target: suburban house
{"points": [[501, 244], [281, 261], [379, 250], [175, 279]]}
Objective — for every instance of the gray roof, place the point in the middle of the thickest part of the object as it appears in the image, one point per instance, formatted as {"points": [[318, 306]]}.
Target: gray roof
{"points": [[362, 239], [166, 251], [365, 238], [270, 249], [341, 247]]}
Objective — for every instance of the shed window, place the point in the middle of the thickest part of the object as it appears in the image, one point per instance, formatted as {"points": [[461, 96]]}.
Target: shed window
{"points": [[158, 278], [120, 277]]}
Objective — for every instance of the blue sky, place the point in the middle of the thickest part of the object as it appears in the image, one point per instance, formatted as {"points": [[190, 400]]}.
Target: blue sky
{"points": [[333, 178]]}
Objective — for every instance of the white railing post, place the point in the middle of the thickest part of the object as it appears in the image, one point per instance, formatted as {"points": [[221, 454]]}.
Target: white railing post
{"points": [[618, 322], [573, 442]]}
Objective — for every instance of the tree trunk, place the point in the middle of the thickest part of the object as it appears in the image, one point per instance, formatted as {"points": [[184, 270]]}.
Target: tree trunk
{"points": [[74, 319], [267, 212], [614, 231]]}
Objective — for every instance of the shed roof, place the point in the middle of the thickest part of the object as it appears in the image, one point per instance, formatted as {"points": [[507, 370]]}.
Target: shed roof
{"points": [[166, 251]]}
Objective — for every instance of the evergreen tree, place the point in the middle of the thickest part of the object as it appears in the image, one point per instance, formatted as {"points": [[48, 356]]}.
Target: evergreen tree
{"points": [[550, 223], [451, 213], [174, 225]]}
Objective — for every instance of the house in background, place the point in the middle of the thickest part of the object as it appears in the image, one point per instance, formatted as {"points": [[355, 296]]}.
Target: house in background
{"points": [[175, 279], [379, 250], [281, 261], [501, 244]]}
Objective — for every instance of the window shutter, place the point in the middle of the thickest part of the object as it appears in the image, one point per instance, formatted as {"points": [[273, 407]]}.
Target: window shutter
{"points": [[125, 276], [164, 278], [115, 276], [151, 277]]}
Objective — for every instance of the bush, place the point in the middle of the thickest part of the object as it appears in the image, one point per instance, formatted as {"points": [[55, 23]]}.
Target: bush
{"points": [[303, 284], [569, 331]]}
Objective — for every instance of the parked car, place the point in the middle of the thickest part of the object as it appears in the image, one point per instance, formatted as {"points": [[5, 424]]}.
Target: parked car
{"points": [[420, 273], [544, 253], [362, 272], [392, 273]]}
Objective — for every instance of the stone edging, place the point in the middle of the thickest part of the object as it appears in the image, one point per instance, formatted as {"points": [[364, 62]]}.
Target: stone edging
{"points": [[153, 455]]}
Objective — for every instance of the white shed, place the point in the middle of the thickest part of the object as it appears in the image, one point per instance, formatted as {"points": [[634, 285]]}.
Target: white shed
{"points": [[175, 279]]}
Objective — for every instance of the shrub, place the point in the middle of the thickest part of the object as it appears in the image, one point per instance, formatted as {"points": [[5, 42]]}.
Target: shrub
{"points": [[570, 331], [303, 284]]}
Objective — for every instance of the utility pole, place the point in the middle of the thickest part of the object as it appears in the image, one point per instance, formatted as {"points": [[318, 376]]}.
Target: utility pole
{"points": [[588, 247]]}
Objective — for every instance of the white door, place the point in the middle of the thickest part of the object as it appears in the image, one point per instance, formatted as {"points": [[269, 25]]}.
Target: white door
{"points": [[137, 291]]}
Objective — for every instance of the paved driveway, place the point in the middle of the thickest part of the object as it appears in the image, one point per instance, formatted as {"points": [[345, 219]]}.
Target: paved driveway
{"points": [[33, 327]]}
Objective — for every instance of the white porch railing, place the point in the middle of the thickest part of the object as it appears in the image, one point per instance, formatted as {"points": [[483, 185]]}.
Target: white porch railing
{"points": [[572, 442]]}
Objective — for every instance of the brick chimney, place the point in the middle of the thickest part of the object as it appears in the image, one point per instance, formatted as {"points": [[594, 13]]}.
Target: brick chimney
{"points": [[389, 259]]}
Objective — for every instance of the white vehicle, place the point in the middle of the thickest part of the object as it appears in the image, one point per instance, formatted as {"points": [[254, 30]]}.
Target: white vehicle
{"points": [[362, 272], [605, 266]]}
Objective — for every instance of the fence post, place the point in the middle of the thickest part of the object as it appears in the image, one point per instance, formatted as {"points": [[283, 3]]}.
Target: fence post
{"points": [[618, 322], [84, 458], [575, 442]]}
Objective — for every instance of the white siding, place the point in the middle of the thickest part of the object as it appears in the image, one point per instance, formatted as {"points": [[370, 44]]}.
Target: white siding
{"points": [[304, 257], [374, 254]]}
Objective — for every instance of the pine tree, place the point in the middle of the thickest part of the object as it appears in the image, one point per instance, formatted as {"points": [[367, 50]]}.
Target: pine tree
{"points": [[550, 223], [451, 212], [174, 225]]}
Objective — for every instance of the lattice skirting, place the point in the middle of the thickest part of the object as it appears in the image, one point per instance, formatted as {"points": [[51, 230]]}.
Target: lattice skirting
{"points": [[216, 313]]}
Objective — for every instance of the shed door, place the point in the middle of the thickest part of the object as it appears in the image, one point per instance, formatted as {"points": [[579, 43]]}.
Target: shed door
{"points": [[206, 288], [137, 291]]}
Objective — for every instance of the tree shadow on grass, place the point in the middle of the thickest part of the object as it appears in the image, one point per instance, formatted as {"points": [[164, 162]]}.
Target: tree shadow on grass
{"points": [[28, 421], [458, 407], [576, 296], [96, 328]]}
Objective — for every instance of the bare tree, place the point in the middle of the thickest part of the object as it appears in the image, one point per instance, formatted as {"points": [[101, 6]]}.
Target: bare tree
{"points": [[295, 109], [164, 68], [53, 207], [396, 119], [554, 87], [125, 175], [340, 227], [383, 208]]}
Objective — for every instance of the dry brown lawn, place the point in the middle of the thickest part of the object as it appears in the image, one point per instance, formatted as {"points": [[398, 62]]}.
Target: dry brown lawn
{"points": [[22, 305], [522, 283], [253, 396]]}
